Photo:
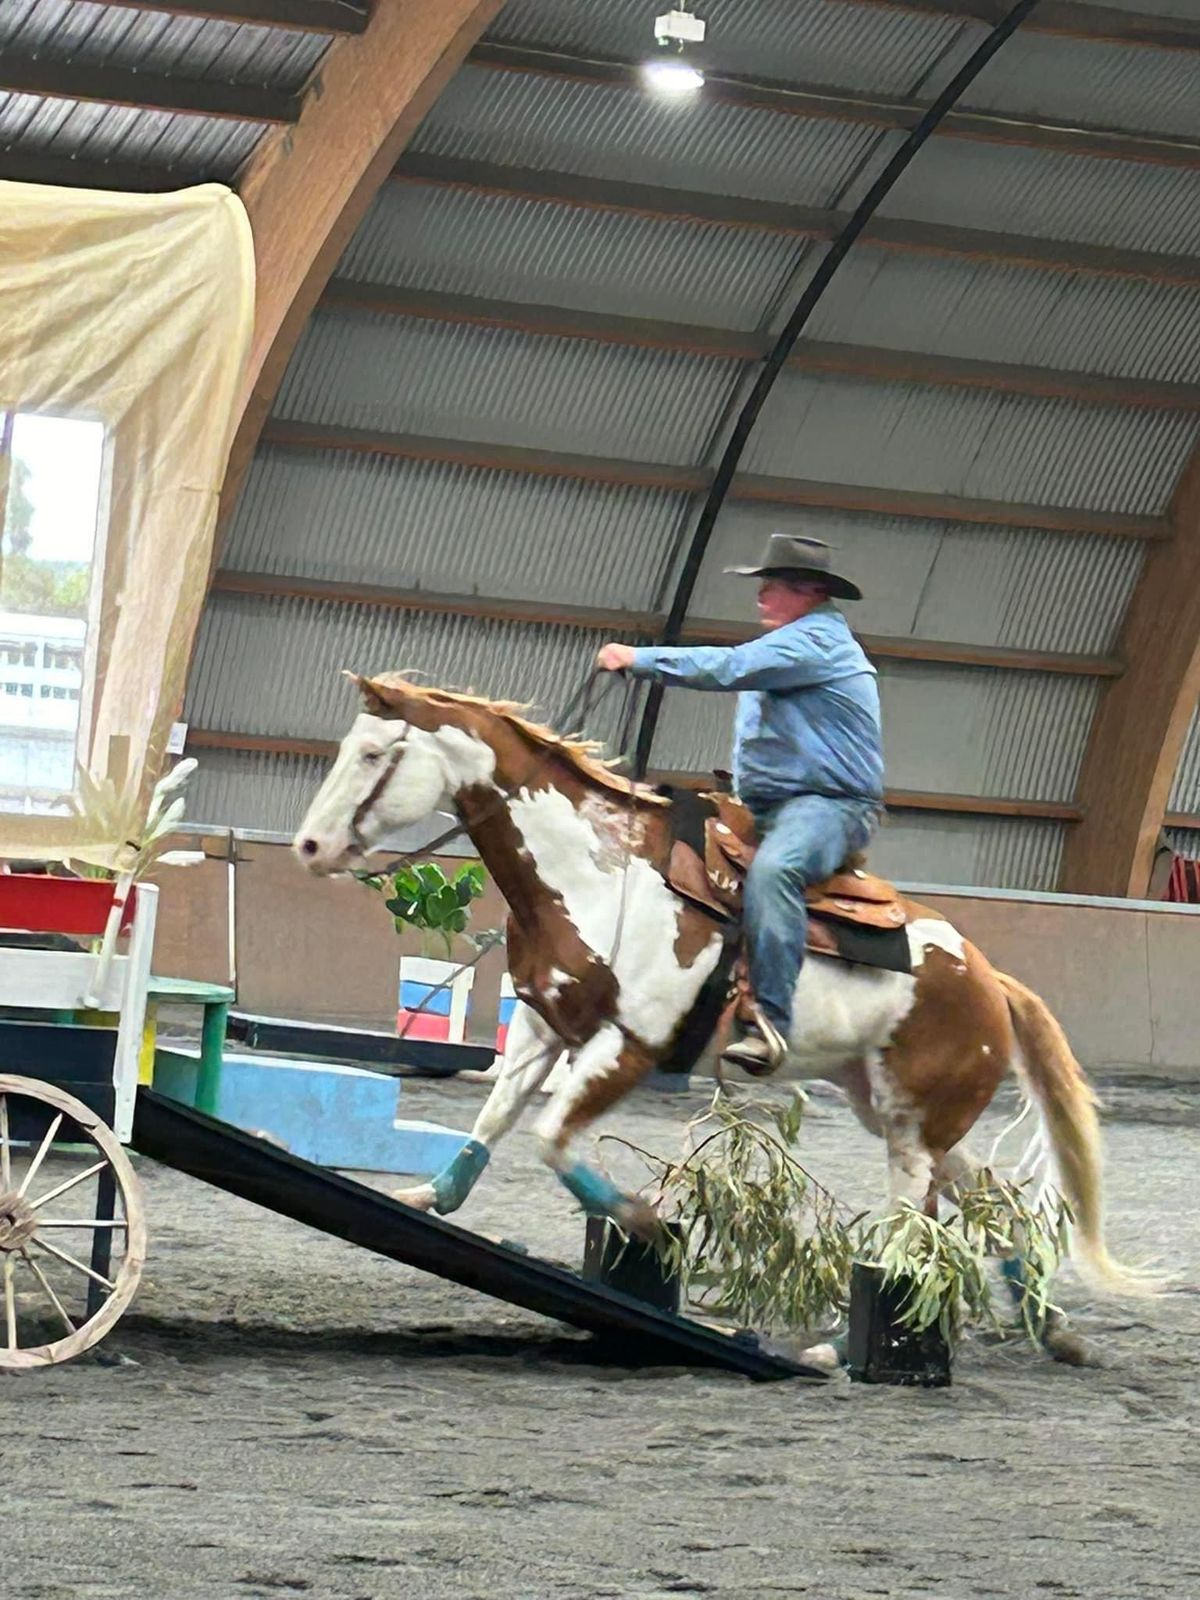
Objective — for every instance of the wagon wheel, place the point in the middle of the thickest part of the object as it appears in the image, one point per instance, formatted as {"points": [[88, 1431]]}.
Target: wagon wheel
{"points": [[67, 1270]]}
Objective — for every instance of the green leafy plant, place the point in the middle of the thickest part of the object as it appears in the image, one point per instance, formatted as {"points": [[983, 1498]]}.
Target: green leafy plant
{"points": [[763, 1243], [422, 897]]}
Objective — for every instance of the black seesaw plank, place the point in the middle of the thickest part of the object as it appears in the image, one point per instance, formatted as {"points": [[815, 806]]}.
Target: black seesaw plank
{"points": [[385, 1052], [237, 1162]]}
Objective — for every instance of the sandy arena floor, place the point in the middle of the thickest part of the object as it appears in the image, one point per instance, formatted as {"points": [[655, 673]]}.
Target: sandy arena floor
{"points": [[305, 1418]]}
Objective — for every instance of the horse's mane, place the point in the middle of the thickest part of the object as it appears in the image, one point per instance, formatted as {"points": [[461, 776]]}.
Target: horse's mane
{"points": [[582, 755]]}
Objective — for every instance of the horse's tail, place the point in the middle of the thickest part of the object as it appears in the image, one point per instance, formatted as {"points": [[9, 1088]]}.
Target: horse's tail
{"points": [[1068, 1109]]}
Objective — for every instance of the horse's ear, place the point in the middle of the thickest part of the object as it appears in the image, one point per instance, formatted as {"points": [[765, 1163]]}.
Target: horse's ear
{"points": [[373, 703]]}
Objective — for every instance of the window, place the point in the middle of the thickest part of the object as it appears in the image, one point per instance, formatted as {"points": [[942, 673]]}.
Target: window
{"points": [[63, 659], [49, 520]]}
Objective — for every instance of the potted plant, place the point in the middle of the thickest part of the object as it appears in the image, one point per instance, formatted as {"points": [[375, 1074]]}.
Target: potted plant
{"points": [[435, 989]]}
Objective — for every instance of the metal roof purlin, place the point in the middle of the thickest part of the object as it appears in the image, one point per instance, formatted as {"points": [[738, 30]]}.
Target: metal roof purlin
{"points": [[154, 91], [751, 487], [807, 222], [1076, 19], [880, 363], [295, 16], [601, 619], [818, 103]]}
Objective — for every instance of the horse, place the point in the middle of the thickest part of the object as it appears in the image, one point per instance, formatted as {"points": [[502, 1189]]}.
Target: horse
{"points": [[608, 961]]}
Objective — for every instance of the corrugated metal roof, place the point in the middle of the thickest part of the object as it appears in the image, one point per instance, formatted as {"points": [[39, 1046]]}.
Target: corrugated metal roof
{"points": [[1157, 8], [462, 243], [525, 120], [990, 852], [958, 582], [953, 730], [1185, 790], [813, 41], [989, 446], [255, 791], [410, 524], [1184, 842], [1086, 81], [75, 30], [405, 375], [274, 667], [988, 311], [244, 789], [1004, 189], [196, 145]]}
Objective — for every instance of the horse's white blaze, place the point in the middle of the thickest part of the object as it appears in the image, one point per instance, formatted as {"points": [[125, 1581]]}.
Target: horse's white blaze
{"points": [[621, 908], [432, 766]]}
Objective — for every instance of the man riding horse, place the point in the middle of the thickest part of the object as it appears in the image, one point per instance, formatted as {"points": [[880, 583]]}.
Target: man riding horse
{"points": [[807, 759]]}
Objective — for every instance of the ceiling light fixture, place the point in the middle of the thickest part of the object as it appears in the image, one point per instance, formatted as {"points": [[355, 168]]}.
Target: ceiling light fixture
{"points": [[670, 72]]}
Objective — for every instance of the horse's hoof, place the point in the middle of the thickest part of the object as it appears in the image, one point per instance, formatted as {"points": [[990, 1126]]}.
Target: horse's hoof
{"points": [[420, 1197], [825, 1357], [638, 1218], [1072, 1349]]}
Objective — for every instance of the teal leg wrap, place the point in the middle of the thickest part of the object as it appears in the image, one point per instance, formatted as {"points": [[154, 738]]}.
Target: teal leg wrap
{"points": [[454, 1182], [1012, 1269], [595, 1193]]}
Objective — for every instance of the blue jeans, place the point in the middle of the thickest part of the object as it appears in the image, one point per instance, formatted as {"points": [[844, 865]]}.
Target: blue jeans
{"points": [[803, 841]]}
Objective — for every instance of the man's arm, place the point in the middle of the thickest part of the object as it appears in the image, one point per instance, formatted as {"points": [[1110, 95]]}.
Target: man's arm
{"points": [[795, 660]]}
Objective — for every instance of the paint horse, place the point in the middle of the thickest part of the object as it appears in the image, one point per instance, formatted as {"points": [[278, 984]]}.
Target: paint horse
{"points": [[609, 961]]}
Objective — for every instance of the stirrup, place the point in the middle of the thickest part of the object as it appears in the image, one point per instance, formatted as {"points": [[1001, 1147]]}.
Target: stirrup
{"points": [[762, 1052]]}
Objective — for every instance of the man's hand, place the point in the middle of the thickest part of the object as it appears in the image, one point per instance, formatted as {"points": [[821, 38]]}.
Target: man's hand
{"points": [[615, 657]]}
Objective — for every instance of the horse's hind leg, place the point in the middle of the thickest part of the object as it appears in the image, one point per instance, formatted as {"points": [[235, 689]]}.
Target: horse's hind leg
{"points": [[959, 1170], [602, 1071], [530, 1051]]}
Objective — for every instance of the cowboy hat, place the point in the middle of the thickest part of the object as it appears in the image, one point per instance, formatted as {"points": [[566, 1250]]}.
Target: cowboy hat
{"points": [[786, 556]]}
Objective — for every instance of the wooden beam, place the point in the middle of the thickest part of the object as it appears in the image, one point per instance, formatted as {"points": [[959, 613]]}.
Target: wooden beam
{"points": [[897, 799], [154, 91], [805, 222], [307, 190], [748, 487], [1071, 19], [545, 612], [260, 744], [611, 621], [290, 16], [982, 806], [490, 457], [85, 172], [858, 361], [1182, 819], [1005, 658], [816, 103], [1142, 721], [551, 321], [944, 507]]}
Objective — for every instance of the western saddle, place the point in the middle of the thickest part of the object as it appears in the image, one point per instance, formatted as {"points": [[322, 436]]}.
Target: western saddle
{"points": [[710, 871]]}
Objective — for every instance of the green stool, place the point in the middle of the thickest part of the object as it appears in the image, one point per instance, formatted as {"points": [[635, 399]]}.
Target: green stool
{"points": [[215, 999]]}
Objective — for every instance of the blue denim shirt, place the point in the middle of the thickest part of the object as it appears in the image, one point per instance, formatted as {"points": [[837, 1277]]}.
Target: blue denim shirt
{"points": [[808, 710]]}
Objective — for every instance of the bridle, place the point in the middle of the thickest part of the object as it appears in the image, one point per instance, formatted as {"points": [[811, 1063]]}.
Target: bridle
{"points": [[579, 707], [362, 811]]}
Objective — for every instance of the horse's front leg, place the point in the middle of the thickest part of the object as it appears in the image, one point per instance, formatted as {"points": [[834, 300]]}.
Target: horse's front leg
{"points": [[530, 1051], [602, 1072]]}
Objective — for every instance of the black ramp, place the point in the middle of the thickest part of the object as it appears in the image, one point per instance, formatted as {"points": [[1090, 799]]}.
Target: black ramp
{"points": [[235, 1161]]}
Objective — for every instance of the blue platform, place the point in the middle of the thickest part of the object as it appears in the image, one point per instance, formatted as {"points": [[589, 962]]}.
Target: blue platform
{"points": [[332, 1115]]}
